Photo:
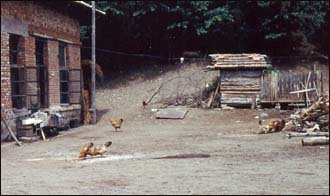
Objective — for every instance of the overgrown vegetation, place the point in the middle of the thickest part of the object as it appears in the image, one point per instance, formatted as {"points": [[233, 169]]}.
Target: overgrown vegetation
{"points": [[171, 27]]}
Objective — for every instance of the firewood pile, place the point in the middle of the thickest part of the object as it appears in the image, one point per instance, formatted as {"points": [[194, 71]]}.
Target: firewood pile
{"points": [[311, 119], [312, 123]]}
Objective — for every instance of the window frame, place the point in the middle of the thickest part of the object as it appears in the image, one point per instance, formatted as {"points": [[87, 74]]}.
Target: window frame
{"points": [[20, 80], [63, 69]]}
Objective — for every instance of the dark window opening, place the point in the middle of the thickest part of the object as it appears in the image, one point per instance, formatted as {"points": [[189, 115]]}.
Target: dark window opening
{"points": [[64, 86], [17, 87], [43, 86], [16, 74], [64, 74], [39, 51], [13, 49], [42, 72]]}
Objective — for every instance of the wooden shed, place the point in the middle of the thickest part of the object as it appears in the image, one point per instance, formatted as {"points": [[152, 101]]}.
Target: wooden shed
{"points": [[240, 77]]}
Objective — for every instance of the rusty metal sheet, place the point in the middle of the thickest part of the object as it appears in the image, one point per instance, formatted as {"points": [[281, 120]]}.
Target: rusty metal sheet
{"points": [[172, 113]]}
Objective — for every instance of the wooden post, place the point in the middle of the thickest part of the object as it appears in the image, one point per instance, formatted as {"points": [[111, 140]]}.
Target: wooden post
{"points": [[93, 63], [253, 102], [3, 120]]}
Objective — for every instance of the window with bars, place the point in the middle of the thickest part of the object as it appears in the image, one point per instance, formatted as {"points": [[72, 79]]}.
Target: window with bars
{"points": [[64, 75], [16, 74], [42, 72]]}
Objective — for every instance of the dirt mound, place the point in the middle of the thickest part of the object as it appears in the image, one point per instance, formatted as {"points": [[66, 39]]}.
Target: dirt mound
{"points": [[122, 94], [123, 91]]}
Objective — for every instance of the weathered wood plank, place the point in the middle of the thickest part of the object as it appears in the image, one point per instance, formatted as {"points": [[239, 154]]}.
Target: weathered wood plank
{"points": [[225, 88], [241, 92], [238, 83], [312, 141], [172, 113], [277, 86]]}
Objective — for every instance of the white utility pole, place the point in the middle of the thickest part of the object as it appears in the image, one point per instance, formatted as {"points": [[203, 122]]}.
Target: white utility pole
{"points": [[93, 63]]}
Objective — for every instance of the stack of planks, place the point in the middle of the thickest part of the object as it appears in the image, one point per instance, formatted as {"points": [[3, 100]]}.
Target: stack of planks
{"points": [[250, 60]]}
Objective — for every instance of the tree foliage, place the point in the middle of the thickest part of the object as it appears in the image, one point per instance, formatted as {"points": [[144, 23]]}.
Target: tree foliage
{"points": [[159, 26]]}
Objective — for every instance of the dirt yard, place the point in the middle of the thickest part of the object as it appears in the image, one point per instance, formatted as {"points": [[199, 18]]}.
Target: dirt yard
{"points": [[240, 162]]}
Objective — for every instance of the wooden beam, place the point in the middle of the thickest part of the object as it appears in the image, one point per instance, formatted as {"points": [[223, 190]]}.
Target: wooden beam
{"points": [[240, 92], [312, 141], [311, 134], [301, 91]]}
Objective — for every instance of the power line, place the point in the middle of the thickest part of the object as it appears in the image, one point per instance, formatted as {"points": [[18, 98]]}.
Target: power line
{"points": [[126, 54], [196, 58], [140, 55]]}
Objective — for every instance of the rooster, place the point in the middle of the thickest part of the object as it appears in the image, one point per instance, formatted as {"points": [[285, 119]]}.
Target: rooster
{"points": [[86, 150], [100, 150], [116, 123]]}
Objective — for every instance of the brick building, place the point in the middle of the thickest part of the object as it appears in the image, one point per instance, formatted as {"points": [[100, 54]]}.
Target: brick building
{"points": [[40, 57]]}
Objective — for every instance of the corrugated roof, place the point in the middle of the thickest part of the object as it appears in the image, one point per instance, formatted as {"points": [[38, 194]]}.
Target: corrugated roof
{"points": [[244, 60]]}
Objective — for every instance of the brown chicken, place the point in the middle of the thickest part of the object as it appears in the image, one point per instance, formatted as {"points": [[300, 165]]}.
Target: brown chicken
{"points": [[278, 125], [86, 150], [100, 150], [116, 123], [275, 126]]}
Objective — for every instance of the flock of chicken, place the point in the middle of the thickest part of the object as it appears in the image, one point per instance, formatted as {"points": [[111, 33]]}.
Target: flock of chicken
{"points": [[88, 149]]}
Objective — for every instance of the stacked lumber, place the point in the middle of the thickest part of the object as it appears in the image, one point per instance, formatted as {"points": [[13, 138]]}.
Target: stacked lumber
{"points": [[251, 60], [311, 122]]}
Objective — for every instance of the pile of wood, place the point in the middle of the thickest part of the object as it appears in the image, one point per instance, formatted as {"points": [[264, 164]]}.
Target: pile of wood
{"points": [[213, 99], [239, 61], [87, 71], [311, 122]]}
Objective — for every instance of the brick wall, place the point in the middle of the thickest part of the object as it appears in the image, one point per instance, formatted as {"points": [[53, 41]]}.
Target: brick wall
{"points": [[73, 56], [43, 20], [53, 73], [6, 102]]}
